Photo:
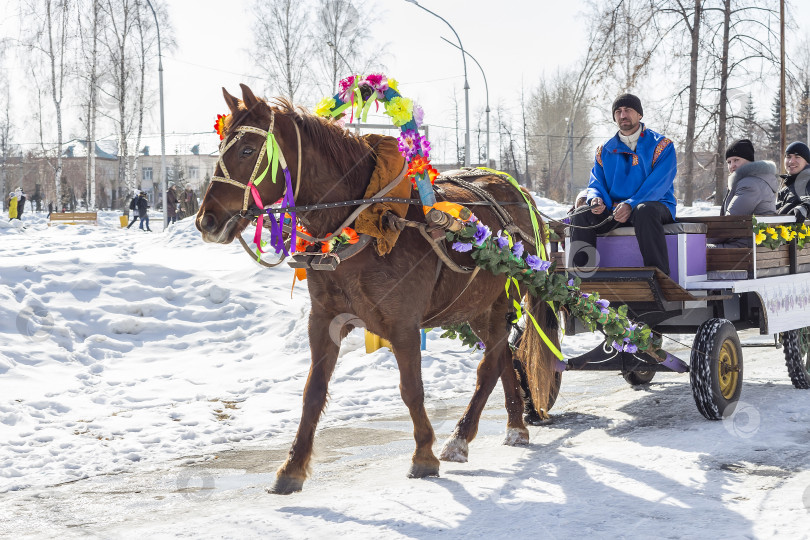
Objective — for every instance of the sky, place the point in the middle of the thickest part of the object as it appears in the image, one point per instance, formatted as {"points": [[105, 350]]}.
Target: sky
{"points": [[515, 44]]}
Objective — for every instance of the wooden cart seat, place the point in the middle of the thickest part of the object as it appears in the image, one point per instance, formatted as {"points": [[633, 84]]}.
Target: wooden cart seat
{"points": [[630, 285]]}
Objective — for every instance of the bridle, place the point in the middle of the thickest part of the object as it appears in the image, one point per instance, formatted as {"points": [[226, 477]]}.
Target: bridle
{"points": [[275, 157]]}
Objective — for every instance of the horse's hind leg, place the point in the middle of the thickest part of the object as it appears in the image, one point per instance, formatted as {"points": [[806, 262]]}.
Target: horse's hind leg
{"points": [[409, 360], [497, 362], [291, 475]]}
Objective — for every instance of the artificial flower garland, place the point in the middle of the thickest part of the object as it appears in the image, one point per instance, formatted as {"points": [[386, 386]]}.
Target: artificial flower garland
{"points": [[501, 255], [773, 236], [356, 94]]}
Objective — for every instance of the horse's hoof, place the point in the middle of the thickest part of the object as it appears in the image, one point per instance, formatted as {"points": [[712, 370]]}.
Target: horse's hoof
{"points": [[420, 470], [516, 436], [455, 449], [533, 419], [285, 485]]}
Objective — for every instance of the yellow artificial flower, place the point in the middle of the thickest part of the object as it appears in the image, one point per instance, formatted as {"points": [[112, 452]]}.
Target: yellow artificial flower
{"points": [[325, 106], [784, 233], [393, 85], [400, 110], [760, 237], [771, 231]]}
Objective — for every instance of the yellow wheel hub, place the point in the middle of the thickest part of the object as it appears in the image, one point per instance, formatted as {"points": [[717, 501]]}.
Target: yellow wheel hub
{"points": [[728, 369]]}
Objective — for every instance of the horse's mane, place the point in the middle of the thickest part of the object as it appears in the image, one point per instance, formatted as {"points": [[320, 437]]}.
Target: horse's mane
{"points": [[341, 146]]}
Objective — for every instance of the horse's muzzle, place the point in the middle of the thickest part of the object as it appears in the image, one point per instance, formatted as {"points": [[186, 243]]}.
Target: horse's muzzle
{"points": [[214, 231]]}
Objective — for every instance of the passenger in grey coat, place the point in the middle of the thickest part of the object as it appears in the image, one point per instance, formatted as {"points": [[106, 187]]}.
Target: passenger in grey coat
{"points": [[752, 188]]}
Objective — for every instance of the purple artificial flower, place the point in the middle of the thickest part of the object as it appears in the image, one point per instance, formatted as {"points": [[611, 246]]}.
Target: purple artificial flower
{"points": [[585, 295], [570, 282], [537, 264], [501, 241], [418, 114], [481, 345], [632, 327], [517, 249], [631, 348], [472, 219], [482, 232], [408, 143], [424, 146], [462, 247], [616, 346], [603, 303], [604, 311]]}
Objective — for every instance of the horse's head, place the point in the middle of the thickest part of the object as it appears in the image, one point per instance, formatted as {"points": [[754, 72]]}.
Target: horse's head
{"points": [[228, 204]]}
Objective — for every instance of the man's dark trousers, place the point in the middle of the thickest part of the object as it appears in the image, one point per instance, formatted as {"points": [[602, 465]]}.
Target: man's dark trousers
{"points": [[648, 218]]}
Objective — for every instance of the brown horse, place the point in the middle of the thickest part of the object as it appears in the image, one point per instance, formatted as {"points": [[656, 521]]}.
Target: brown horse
{"points": [[394, 295]]}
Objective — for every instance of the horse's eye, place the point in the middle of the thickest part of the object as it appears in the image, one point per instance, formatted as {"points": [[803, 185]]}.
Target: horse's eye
{"points": [[246, 151]]}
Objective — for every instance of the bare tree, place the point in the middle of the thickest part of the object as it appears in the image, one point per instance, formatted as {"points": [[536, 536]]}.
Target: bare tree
{"points": [[745, 36], [89, 29], [339, 32], [117, 40], [50, 38], [279, 29], [555, 105], [5, 135]]}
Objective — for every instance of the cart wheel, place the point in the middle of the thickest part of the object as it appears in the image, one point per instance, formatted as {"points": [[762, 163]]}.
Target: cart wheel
{"points": [[716, 368], [797, 356], [636, 378]]}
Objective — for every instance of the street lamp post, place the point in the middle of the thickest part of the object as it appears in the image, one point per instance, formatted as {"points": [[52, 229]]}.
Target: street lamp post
{"points": [[466, 84], [162, 128], [486, 87]]}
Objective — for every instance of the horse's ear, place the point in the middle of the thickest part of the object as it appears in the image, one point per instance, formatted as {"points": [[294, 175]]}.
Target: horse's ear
{"points": [[247, 96], [233, 103]]}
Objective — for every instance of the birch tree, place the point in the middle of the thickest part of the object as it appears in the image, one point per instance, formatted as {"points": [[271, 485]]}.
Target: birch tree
{"points": [[89, 29], [339, 34], [50, 38], [280, 32]]}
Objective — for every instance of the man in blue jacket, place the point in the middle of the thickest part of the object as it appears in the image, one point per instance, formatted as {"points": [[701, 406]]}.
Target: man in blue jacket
{"points": [[633, 178]]}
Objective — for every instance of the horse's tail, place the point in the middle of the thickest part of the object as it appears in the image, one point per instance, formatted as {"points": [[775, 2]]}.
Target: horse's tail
{"points": [[538, 360]]}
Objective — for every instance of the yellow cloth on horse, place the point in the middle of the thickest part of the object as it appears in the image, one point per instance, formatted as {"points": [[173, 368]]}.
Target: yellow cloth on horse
{"points": [[389, 164]]}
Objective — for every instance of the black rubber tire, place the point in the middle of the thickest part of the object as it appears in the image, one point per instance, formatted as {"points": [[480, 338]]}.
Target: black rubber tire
{"points": [[636, 378], [796, 344], [716, 339]]}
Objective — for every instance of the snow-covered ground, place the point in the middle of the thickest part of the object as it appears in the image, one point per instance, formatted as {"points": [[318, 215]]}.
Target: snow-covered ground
{"points": [[150, 385]]}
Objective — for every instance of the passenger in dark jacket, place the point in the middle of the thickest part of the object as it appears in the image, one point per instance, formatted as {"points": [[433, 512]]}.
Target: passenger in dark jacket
{"points": [[752, 187], [794, 194]]}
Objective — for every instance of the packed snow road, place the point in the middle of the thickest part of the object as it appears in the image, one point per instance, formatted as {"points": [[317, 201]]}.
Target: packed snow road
{"points": [[150, 385]]}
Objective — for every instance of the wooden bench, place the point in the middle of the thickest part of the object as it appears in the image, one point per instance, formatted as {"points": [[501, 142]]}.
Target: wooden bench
{"points": [[73, 218]]}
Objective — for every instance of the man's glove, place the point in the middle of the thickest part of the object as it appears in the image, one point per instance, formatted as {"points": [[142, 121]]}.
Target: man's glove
{"points": [[800, 213]]}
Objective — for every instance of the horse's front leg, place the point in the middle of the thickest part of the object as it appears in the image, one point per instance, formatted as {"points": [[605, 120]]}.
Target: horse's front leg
{"points": [[497, 362], [291, 475], [409, 360]]}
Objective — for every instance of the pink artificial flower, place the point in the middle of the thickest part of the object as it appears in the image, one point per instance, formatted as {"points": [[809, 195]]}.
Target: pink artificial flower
{"points": [[345, 86], [376, 81]]}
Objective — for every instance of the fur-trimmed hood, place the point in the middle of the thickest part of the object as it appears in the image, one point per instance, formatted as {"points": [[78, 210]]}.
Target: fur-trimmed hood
{"points": [[764, 170]]}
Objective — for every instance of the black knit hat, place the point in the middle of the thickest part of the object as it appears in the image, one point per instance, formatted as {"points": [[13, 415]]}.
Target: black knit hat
{"points": [[627, 100], [800, 149], [741, 148]]}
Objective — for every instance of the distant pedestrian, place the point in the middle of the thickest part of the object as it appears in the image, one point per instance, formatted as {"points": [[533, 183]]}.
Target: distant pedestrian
{"points": [[191, 201], [133, 205], [171, 203], [143, 206], [50, 209], [20, 203], [12, 206]]}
